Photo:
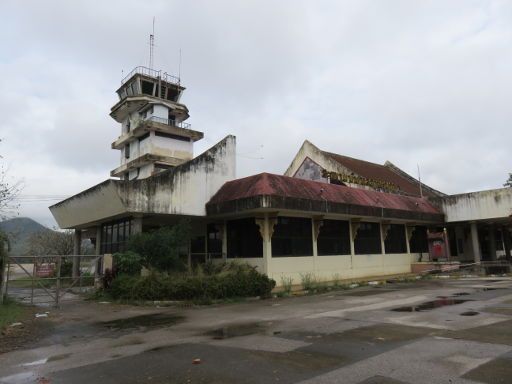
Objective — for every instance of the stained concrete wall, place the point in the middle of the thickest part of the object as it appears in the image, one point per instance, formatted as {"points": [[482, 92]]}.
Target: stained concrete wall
{"points": [[341, 267], [483, 205], [305, 170], [183, 190], [99, 202], [309, 162]]}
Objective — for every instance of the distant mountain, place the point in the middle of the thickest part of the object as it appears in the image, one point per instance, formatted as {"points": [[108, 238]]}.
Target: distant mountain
{"points": [[19, 230]]}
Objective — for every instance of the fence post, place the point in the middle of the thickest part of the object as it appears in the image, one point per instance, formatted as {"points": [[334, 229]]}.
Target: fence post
{"points": [[3, 275], [34, 261], [57, 293]]}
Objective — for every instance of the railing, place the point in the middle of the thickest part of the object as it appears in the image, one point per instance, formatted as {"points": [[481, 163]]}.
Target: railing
{"points": [[152, 73], [169, 122]]}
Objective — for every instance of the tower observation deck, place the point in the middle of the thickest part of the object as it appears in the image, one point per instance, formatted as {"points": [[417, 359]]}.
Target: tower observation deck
{"points": [[154, 134]]}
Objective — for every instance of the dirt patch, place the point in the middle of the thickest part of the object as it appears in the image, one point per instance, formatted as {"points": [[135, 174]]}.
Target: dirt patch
{"points": [[29, 331]]}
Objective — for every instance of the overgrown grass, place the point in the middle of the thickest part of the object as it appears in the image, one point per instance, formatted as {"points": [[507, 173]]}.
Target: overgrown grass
{"points": [[308, 281], [10, 312], [286, 284]]}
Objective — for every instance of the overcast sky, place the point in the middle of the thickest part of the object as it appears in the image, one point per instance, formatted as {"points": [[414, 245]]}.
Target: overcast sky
{"points": [[413, 82]]}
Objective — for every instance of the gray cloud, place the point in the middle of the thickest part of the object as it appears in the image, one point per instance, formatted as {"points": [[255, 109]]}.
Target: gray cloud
{"points": [[411, 82]]}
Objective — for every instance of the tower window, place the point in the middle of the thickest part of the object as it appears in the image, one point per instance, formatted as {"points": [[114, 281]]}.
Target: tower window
{"points": [[127, 151], [147, 87]]}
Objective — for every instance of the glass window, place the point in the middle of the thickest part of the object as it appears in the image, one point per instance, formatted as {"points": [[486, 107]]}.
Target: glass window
{"points": [[114, 236], [214, 240], [419, 241], [334, 238], [395, 240], [244, 239], [367, 241], [292, 237], [147, 87]]}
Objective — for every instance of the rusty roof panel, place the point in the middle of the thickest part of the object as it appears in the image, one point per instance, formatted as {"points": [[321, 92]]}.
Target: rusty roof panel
{"points": [[266, 184]]}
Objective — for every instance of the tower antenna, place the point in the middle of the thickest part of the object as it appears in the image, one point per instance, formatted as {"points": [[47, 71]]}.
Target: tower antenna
{"points": [[179, 68], [151, 45], [419, 180]]}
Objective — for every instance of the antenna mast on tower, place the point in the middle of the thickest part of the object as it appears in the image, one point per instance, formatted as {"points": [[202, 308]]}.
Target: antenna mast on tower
{"points": [[151, 45]]}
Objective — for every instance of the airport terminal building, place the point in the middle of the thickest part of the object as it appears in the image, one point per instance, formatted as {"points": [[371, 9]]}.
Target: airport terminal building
{"points": [[329, 215]]}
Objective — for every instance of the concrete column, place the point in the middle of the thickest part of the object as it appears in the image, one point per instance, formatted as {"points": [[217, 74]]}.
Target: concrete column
{"points": [[383, 230], [506, 241], [353, 227], [98, 240], [408, 234], [492, 242], [77, 245], [136, 225], [476, 244], [316, 224], [267, 244], [224, 240]]}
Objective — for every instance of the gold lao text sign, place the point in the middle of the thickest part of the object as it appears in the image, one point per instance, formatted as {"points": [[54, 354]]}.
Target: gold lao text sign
{"points": [[359, 180]]}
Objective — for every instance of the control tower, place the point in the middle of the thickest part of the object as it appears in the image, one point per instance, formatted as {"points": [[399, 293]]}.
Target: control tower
{"points": [[154, 134]]}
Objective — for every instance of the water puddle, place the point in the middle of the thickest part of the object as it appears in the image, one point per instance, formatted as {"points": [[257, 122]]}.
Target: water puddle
{"points": [[371, 292], [470, 313], [491, 289], [235, 331], [37, 362], [429, 305], [146, 321], [461, 294]]}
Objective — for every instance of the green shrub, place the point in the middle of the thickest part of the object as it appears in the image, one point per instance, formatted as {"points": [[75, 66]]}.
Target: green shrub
{"points": [[122, 287], [308, 281], [230, 281], [127, 263], [160, 249], [66, 267]]}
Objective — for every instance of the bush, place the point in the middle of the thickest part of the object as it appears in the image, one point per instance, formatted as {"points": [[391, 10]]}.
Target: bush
{"points": [[160, 249], [231, 280], [127, 263], [66, 267]]}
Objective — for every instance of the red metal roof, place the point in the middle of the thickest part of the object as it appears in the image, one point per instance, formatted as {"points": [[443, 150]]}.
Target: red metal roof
{"points": [[379, 172], [284, 186]]}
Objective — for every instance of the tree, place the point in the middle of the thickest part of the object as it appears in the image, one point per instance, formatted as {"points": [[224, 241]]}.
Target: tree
{"points": [[9, 191], [161, 249], [508, 183], [50, 242]]}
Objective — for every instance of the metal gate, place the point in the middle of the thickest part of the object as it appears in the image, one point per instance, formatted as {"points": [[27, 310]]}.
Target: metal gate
{"points": [[47, 280]]}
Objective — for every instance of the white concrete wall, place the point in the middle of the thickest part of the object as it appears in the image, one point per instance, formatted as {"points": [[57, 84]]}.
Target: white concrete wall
{"points": [[160, 111], [495, 203], [342, 267], [166, 146], [186, 189], [100, 202], [146, 171]]}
